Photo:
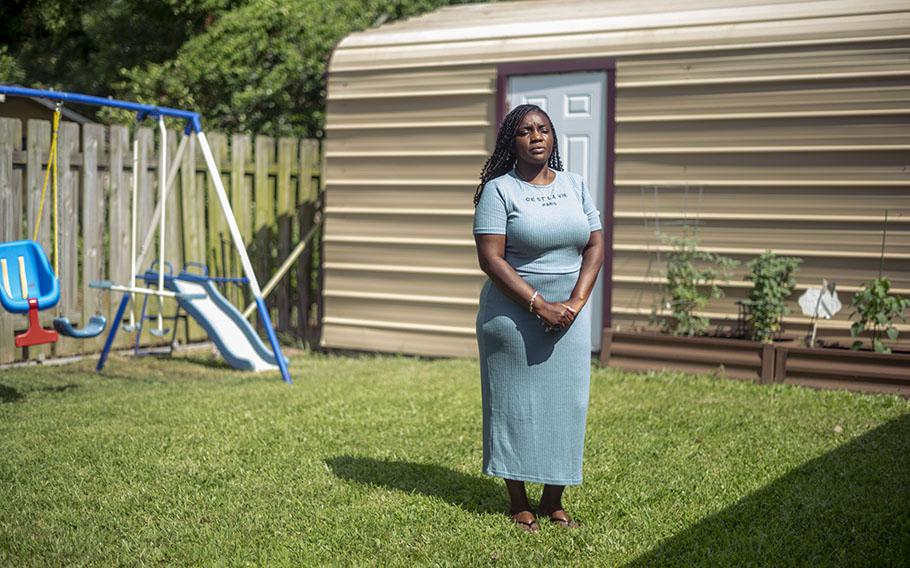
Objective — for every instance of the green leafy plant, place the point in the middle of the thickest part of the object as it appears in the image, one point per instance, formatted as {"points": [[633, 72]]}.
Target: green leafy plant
{"points": [[10, 72], [691, 277], [773, 278], [877, 310]]}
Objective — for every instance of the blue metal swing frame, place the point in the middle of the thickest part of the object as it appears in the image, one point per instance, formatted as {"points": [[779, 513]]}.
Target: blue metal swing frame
{"points": [[193, 125]]}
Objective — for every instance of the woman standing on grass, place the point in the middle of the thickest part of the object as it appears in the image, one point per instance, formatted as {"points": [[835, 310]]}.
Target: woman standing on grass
{"points": [[540, 241]]}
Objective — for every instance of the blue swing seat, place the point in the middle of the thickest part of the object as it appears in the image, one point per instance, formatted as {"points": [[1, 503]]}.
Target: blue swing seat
{"points": [[41, 283], [96, 325]]}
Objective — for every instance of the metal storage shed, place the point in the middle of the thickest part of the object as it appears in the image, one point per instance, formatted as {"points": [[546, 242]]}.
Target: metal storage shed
{"points": [[775, 125]]}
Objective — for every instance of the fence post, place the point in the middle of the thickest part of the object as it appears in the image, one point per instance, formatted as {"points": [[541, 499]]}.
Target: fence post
{"points": [[146, 204], [306, 201], [218, 261], [118, 255], [287, 148], [193, 209], [38, 143], [92, 228], [265, 210], [10, 219], [174, 228], [68, 232], [241, 202]]}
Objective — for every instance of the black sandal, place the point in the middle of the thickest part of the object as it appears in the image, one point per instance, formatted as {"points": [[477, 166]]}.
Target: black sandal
{"points": [[564, 521]]}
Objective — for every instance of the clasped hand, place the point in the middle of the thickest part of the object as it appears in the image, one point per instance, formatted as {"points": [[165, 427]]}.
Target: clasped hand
{"points": [[558, 315]]}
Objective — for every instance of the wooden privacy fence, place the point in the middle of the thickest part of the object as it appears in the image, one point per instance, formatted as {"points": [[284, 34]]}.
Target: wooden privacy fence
{"points": [[273, 185]]}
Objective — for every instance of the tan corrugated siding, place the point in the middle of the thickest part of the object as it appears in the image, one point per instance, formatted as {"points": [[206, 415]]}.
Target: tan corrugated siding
{"points": [[799, 150], [781, 126], [593, 31]]}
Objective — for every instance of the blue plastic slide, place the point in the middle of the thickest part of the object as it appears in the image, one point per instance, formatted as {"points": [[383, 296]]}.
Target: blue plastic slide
{"points": [[232, 334]]}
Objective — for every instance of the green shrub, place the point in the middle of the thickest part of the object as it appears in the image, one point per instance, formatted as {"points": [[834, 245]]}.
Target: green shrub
{"points": [[261, 67], [691, 276], [877, 310], [10, 72], [773, 279]]}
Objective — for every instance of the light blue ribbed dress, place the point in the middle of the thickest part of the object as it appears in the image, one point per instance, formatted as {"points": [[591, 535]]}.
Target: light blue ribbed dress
{"points": [[535, 384]]}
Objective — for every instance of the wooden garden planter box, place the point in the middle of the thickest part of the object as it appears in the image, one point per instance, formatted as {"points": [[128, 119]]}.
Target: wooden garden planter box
{"points": [[741, 359], [841, 368]]}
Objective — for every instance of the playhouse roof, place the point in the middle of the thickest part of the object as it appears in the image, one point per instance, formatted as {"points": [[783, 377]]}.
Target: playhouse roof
{"points": [[548, 29]]}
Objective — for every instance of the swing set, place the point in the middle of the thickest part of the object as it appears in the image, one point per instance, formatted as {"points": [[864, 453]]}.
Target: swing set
{"points": [[38, 288]]}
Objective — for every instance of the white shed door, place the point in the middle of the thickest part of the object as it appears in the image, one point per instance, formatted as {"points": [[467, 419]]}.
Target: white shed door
{"points": [[577, 106]]}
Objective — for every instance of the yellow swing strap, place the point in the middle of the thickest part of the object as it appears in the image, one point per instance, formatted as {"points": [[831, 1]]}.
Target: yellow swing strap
{"points": [[51, 163]]}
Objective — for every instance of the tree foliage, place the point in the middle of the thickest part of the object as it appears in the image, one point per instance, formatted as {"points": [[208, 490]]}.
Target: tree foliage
{"points": [[10, 72], [261, 67], [83, 46], [247, 65]]}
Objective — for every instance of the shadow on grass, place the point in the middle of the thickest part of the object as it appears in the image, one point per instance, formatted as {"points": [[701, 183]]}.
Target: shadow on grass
{"points": [[58, 388], [472, 493], [202, 359], [164, 369], [9, 394], [848, 507], [209, 361]]}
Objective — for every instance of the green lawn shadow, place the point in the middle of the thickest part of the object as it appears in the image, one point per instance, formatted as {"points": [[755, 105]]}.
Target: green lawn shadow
{"points": [[9, 394], [848, 507], [473, 493]]}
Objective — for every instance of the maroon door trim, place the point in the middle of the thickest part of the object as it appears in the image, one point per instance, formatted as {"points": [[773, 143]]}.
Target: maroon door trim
{"points": [[607, 65]]}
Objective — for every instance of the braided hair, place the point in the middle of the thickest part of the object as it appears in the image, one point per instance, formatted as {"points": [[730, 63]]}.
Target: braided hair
{"points": [[503, 158]]}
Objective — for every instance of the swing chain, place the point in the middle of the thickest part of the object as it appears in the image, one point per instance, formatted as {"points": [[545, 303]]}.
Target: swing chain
{"points": [[51, 165]]}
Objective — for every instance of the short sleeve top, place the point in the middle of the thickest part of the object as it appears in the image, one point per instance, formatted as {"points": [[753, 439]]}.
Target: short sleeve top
{"points": [[546, 226]]}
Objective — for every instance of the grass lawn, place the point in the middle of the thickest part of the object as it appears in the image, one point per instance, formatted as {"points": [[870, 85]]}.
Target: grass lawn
{"points": [[376, 461]]}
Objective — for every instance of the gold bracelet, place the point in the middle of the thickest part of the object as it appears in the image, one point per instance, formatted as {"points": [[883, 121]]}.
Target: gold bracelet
{"points": [[531, 301]]}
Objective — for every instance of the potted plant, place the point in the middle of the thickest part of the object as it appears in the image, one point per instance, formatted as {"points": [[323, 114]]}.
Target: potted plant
{"points": [[875, 369], [774, 279], [877, 310], [683, 342], [689, 286]]}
